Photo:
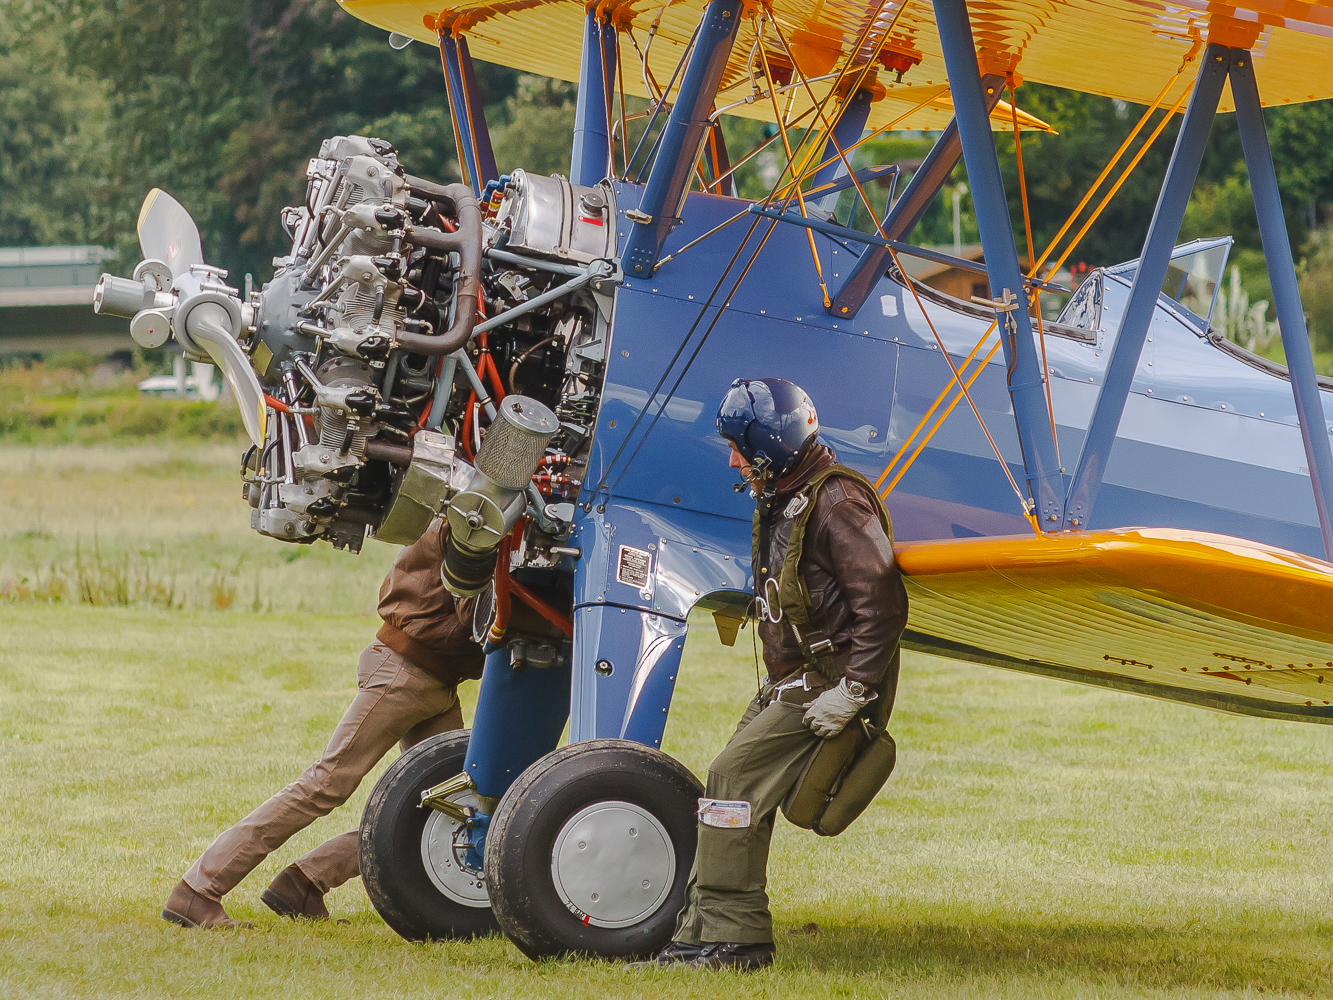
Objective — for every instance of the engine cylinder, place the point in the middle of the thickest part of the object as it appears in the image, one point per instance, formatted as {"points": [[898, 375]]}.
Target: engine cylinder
{"points": [[341, 373]]}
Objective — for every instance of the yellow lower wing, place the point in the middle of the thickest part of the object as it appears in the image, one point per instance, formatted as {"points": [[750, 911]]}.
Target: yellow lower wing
{"points": [[1189, 616]]}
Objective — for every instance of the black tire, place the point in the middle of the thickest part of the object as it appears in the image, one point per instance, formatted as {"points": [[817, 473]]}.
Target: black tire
{"points": [[624, 779], [392, 831]]}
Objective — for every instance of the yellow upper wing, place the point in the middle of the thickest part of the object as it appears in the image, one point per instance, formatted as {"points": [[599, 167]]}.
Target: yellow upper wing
{"points": [[1126, 49], [1189, 616]]}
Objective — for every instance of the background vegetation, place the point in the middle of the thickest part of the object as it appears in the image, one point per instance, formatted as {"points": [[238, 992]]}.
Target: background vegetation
{"points": [[223, 101]]}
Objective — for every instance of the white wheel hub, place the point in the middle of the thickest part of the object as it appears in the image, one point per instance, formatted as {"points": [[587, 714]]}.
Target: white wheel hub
{"points": [[613, 864], [444, 845]]}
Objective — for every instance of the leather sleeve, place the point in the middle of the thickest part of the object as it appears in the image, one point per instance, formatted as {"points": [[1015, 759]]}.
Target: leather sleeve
{"points": [[414, 601], [850, 545]]}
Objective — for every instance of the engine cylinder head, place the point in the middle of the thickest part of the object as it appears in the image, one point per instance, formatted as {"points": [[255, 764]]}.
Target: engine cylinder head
{"points": [[516, 441], [341, 373]]}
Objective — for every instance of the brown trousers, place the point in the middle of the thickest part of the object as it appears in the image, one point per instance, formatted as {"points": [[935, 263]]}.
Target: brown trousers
{"points": [[396, 702]]}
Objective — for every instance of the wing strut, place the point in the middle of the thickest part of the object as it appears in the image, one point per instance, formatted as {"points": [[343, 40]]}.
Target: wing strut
{"points": [[1026, 378], [475, 155], [1219, 63]]}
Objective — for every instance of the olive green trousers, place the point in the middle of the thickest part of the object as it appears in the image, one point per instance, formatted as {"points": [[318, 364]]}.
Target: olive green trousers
{"points": [[727, 899]]}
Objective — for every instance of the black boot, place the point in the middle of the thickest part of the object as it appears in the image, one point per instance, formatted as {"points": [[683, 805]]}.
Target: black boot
{"points": [[730, 955], [678, 954]]}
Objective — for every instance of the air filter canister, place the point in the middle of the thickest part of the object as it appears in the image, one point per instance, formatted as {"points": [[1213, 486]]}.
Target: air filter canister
{"points": [[516, 441]]}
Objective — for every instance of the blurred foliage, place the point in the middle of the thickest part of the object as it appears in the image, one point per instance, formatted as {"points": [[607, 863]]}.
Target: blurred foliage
{"points": [[222, 102], [72, 397]]}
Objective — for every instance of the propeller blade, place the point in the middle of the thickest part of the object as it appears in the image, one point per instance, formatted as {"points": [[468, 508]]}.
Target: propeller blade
{"points": [[214, 337], [168, 233]]}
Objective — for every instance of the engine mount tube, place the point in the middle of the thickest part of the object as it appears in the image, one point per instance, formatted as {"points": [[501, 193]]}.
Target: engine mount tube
{"points": [[467, 243]]}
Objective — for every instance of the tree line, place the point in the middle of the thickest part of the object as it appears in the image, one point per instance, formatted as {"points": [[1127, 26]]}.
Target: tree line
{"points": [[221, 102]]}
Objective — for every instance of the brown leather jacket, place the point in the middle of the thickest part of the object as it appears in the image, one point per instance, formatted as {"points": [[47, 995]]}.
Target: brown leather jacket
{"points": [[422, 622], [857, 597]]}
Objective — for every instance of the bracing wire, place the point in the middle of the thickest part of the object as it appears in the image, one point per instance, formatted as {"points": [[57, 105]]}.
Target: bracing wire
{"points": [[949, 388], [911, 285], [1035, 291], [726, 303], [944, 393]]}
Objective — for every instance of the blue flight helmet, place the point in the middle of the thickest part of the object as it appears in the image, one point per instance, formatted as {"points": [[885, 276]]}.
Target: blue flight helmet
{"points": [[772, 423]]}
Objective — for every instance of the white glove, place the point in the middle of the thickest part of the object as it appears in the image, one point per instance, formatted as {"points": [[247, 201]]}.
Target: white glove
{"points": [[829, 714]]}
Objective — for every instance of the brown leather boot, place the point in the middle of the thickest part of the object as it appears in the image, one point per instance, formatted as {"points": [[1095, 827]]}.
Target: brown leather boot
{"points": [[189, 908], [292, 894]]}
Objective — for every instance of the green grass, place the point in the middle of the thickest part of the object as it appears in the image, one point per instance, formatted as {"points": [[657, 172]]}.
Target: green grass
{"points": [[71, 398], [1038, 839], [160, 523]]}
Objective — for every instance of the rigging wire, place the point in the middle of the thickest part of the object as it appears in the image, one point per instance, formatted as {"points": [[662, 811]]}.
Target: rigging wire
{"points": [[786, 144], [957, 398], [624, 135], [703, 311], [851, 92], [948, 388], [658, 108], [1115, 158], [1024, 501], [1106, 200], [1034, 292]]}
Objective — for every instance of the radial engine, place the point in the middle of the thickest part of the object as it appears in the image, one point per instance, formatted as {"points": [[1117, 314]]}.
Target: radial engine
{"points": [[419, 352]]}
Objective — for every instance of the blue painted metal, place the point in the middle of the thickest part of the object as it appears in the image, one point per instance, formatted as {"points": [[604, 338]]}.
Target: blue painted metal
{"points": [[864, 176], [1286, 294], [683, 136], [591, 157], [1201, 415], [1043, 475], [1213, 418], [475, 155], [519, 718], [846, 131], [1148, 278], [926, 253], [476, 111], [908, 210]]}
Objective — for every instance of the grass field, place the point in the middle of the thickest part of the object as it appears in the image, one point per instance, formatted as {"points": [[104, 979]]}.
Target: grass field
{"points": [[1038, 840]]}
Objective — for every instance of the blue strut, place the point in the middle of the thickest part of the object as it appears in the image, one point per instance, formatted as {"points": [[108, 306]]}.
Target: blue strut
{"points": [[1286, 295], [519, 718], [846, 131], [682, 138], [591, 158], [1026, 377], [1153, 264], [908, 210], [475, 155]]}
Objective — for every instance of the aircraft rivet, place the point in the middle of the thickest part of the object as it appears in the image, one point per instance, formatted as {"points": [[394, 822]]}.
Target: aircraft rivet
{"points": [[646, 883]]}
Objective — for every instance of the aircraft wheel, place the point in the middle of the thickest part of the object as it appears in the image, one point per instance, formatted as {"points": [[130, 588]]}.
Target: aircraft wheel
{"points": [[412, 863], [590, 850]]}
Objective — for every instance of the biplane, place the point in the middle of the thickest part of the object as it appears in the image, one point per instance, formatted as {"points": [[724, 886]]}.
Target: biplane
{"points": [[1117, 496]]}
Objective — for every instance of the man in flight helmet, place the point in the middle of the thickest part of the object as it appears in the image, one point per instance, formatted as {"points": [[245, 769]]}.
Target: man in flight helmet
{"points": [[831, 607]]}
